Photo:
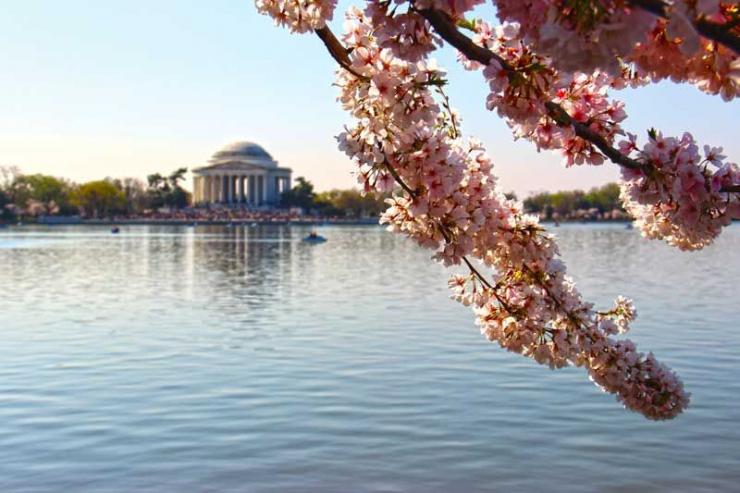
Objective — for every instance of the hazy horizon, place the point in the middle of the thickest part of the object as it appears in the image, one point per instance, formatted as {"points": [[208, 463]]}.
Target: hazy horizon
{"points": [[130, 88]]}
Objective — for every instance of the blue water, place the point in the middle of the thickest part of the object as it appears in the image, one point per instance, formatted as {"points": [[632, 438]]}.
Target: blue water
{"points": [[241, 359]]}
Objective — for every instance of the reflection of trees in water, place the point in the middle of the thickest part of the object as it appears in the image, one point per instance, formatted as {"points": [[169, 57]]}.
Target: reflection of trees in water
{"points": [[167, 254]]}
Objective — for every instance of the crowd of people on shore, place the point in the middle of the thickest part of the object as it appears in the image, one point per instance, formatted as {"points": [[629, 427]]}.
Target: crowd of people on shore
{"points": [[589, 215], [229, 215]]}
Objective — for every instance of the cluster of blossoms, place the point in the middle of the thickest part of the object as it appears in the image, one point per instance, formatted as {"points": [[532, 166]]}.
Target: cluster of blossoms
{"points": [[450, 202], [604, 35], [524, 87], [530, 94], [712, 68], [679, 198], [406, 34], [617, 320], [299, 16], [586, 37]]}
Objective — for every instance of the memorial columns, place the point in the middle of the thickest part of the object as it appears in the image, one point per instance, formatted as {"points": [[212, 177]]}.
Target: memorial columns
{"points": [[241, 189]]}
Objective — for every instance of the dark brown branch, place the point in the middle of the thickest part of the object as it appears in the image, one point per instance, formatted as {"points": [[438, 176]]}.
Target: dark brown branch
{"points": [[399, 180], [584, 132], [711, 30], [718, 33], [446, 28], [337, 51]]}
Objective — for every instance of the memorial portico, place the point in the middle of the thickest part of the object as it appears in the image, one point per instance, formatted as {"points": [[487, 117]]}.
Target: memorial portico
{"points": [[241, 174]]}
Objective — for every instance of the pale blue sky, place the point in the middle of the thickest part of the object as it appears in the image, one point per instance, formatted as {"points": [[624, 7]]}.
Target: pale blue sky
{"points": [[94, 88]]}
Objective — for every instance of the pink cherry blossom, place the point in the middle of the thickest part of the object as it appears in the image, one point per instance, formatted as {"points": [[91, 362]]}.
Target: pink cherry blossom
{"points": [[298, 16], [682, 200]]}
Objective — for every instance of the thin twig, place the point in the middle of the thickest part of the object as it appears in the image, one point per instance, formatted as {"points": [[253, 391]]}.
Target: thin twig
{"points": [[448, 108]]}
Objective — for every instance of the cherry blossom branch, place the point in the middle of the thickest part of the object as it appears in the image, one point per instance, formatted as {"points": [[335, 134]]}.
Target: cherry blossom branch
{"points": [[711, 30], [446, 28], [533, 309]]}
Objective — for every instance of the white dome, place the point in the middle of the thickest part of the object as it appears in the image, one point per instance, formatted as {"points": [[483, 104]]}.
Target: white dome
{"points": [[243, 151]]}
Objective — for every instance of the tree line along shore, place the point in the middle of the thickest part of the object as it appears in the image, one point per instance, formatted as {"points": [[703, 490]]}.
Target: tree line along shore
{"points": [[162, 198]]}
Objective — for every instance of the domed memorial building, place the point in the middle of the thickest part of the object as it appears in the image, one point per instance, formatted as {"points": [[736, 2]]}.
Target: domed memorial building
{"points": [[240, 174]]}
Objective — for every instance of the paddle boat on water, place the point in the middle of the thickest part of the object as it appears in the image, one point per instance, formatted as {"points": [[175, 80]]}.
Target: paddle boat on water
{"points": [[115, 230], [314, 237]]}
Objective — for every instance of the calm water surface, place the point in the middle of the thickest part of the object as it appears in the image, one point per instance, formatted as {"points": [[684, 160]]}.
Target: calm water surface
{"points": [[240, 359]]}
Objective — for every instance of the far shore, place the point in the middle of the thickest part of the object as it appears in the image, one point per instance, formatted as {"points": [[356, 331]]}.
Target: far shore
{"points": [[226, 222], [308, 221], [304, 221]]}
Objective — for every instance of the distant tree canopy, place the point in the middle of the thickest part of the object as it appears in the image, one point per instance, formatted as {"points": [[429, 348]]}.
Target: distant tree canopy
{"points": [[301, 195], [565, 203], [99, 199], [165, 191], [5, 202], [41, 194], [30, 195], [348, 203], [134, 192]]}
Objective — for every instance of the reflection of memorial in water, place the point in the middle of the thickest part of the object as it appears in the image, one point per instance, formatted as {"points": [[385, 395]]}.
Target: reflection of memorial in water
{"points": [[250, 264]]}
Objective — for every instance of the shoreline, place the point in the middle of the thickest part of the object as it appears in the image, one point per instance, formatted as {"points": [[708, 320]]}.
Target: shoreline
{"points": [[251, 222], [202, 222], [71, 221]]}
